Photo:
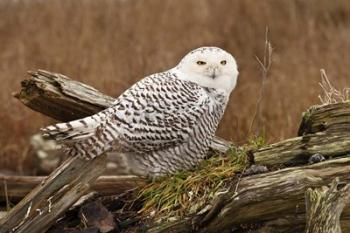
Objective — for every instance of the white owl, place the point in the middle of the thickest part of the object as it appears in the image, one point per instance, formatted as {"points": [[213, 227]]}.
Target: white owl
{"points": [[163, 123]]}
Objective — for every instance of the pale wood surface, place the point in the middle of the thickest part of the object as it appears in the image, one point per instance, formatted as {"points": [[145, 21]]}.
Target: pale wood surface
{"points": [[298, 150], [324, 129], [324, 206], [55, 194], [331, 117], [19, 186]]}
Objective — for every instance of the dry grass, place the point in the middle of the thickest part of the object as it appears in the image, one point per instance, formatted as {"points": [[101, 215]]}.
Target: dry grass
{"points": [[330, 94], [110, 44]]}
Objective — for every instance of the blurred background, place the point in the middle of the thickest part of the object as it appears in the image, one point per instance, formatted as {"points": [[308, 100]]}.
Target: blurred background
{"points": [[110, 44]]}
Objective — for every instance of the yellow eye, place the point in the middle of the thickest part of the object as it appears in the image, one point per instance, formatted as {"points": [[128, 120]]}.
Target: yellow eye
{"points": [[201, 63], [223, 62]]}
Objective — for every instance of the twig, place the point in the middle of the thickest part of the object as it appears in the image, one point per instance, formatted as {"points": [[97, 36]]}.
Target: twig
{"points": [[6, 196], [330, 94], [265, 66]]}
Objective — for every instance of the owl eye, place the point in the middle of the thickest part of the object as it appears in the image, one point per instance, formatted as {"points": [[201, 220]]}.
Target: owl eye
{"points": [[223, 62], [201, 63]]}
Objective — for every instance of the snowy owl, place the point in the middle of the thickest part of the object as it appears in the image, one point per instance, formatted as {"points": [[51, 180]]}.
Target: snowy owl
{"points": [[163, 123]]}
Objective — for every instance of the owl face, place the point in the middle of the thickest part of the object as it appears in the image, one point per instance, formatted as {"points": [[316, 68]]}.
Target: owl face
{"points": [[210, 67]]}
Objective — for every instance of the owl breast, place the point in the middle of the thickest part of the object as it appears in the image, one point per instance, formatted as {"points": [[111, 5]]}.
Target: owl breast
{"points": [[185, 154]]}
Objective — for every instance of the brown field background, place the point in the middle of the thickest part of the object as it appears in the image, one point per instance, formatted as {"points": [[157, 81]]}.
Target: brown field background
{"points": [[110, 44]]}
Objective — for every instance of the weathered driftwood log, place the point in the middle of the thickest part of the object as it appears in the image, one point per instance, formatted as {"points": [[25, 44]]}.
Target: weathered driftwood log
{"points": [[19, 186], [298, 150], [61, 98], [331, 117], [265, 198], [324, 206], [275, 199], [42, 206], [324, 129]]}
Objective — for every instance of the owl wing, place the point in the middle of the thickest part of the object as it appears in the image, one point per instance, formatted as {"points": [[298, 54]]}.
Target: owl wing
{"points": [[156, 113], [159, 112]]}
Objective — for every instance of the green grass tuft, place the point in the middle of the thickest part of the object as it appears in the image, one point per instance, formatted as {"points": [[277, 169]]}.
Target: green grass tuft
{"points": [[256, 142], [187, 192]]}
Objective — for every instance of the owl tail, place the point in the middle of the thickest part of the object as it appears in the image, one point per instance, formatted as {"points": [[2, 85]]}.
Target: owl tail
{"points": [[84, 137], [72, 131]]}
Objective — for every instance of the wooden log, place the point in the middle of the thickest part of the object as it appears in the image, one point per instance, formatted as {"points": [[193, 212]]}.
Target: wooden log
{"points": [[264, 198], [298, 150], [61, 98], [331, 117], [53, 196], [19, 186], [324, 129], [324, 206]]}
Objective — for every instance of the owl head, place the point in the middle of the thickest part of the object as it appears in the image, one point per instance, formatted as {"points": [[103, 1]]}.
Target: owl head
{"points": [[209, 67]]}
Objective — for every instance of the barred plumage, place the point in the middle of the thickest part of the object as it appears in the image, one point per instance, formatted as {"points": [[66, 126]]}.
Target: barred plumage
{"points": [[164, 123]]}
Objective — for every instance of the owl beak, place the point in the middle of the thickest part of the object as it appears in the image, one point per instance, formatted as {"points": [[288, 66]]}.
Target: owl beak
{"points": [[213, 71]]}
